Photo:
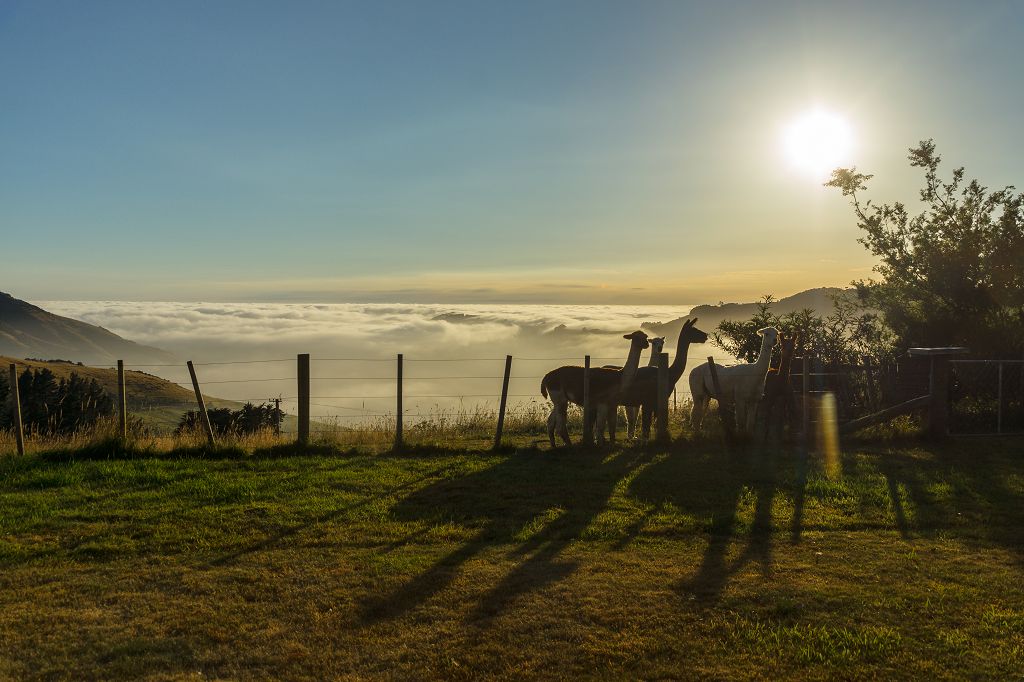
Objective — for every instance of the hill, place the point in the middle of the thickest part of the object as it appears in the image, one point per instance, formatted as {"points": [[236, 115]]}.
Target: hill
{"points": [[158, 402], [29, 331], [710, 316]]}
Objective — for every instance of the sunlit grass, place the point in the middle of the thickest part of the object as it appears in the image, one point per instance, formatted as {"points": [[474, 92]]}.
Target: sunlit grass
{"points": [[257, 559]]}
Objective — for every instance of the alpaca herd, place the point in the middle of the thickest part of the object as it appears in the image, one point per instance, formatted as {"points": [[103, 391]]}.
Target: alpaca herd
{"points": [[746, 386]]}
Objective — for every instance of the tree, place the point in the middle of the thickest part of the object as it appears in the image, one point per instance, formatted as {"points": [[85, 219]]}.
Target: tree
{"points": [[247, 420], [952, 274], [843, 337]]}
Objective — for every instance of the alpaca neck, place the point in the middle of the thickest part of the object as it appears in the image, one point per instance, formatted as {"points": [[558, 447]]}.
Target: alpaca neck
{"points": [[786, 362], [764, 358], [628, 370], [675, 370], [653, 360]]}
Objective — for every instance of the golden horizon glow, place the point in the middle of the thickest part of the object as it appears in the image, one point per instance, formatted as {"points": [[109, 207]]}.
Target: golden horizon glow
{"points": [[818, 141]]}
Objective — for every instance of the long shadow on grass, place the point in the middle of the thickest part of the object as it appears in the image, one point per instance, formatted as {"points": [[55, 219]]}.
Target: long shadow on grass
{"points": [[290, 531], [967, 489], [537, 501], [711, 491]]}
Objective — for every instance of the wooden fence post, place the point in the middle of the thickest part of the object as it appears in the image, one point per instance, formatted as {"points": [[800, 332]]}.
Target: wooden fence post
{"points": [[504, 400], [870, 377], [202, 403], [661, 407], [938, 410], [122, 411], [999, 401], [588, 435], [302, 374], [398, 412], [805, 405], [19, 432]]}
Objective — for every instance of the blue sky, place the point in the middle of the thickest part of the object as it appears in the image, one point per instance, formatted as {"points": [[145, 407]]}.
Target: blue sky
{"points": [[466, 151]]}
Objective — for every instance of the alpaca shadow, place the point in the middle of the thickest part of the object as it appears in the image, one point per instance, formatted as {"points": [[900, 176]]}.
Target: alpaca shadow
{"points": [[959, 491], [506, 501], [285, 534], [712, 489]]}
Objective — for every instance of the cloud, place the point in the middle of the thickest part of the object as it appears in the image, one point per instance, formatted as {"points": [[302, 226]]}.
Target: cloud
{"points": [[353, 346]]}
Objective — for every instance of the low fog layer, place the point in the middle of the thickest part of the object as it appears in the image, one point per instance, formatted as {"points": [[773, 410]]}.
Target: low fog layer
{"points": [[454, 353]]}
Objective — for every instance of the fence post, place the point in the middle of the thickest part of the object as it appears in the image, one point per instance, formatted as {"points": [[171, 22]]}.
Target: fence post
{"points": [[999, 399], [398, 413], [122, 411], [805, 403], [504, 400], [588, 436], [661, 407], [19, 432], [302, 374], [202, 403], [869, 373], [938, 410]]}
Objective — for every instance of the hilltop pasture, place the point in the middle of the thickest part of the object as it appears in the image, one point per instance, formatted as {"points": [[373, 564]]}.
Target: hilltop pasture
{"points": [[675, 563]]}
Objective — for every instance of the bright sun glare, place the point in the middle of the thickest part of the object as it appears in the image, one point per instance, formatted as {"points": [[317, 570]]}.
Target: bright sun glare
{"points": [[818, 141]]}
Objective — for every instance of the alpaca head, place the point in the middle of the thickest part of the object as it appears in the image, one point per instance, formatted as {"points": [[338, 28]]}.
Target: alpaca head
{"points": [[657, 344], [771, 336], [788, 343], [690, 333], [638, 337]]}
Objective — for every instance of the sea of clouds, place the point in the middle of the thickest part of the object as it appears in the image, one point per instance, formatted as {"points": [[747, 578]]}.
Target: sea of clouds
{"points": [[454, 354]]}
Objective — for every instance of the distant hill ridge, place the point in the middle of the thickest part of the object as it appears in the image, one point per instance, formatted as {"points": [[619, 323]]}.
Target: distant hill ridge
{"points": [[29, 331], [709, 316]]}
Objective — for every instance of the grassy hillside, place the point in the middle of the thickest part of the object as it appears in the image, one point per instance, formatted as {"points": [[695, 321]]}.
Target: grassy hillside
{"points": [[625, 563], [29, 331], [157, 402]]}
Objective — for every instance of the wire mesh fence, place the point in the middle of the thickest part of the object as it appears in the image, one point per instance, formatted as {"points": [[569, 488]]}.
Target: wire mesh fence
{"points": [[356, 399], [986, 397]]}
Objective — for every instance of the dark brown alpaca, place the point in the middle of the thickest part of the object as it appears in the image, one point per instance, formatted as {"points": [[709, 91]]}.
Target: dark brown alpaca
{"points": [[778, 392], [565, 385], [643, 392]]}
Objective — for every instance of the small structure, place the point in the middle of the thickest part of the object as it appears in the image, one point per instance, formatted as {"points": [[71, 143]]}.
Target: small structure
{"points": [[936, 400], [938, 385]]}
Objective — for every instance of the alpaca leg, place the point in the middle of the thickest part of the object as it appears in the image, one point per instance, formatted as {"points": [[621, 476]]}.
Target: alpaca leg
{"points": [[741, 416], [613, 419], [646, 411], [700, 406], [558, 419], [751, 417], [563, 423], [631, 414], [600, 420]]}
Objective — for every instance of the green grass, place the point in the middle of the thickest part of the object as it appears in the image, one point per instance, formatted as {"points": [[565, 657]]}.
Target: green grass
{"points": [[268, 562]]}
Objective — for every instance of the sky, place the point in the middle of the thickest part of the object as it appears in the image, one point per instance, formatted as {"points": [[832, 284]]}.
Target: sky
{"points": [[475, 152]]}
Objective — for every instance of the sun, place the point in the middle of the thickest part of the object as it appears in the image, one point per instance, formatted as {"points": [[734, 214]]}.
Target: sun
{"points": [[818, 141]]}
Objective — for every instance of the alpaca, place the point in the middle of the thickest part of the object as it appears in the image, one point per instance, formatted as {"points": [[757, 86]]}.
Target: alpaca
{"points": [[632, 411], [777, 388], [565, 385], [742, 385], [643, 392]]}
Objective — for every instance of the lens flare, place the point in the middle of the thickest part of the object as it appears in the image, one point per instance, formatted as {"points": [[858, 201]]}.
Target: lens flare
{"points": [[828, 436]]}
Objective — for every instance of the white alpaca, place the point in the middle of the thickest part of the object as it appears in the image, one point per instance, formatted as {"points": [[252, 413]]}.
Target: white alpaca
{"points": [[743, 385]]}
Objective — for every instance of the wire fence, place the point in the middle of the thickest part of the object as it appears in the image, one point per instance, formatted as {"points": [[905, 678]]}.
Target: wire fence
{"points": [[986, 397], [357, 393], [352, 393]]}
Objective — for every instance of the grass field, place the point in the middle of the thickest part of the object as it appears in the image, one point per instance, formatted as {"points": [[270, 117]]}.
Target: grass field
{"points": [[680, 563]]}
